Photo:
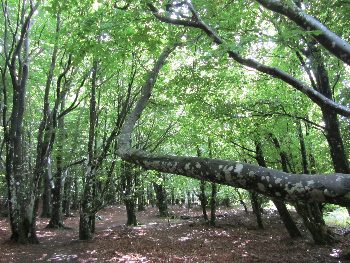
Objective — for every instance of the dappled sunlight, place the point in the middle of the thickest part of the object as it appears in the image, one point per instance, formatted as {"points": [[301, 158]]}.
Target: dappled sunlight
{"points": [[240, 243], [336, 252], [41, 234], [186, 238], [131, 257], [141, 232], [57, 257], [235, 239]]}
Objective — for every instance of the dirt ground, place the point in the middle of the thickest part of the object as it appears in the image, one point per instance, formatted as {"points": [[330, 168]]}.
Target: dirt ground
{"points": [[235, 239]]}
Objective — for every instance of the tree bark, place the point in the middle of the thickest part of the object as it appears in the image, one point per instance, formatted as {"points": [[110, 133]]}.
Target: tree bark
{"points": [[56, 220], [280, 205], [128, 193], [21, 183], [313, 220], [254, 197], [328, 39], [256, 206], [161, 196], [202, 197], [87, 209], [196, 22], [46, 198], [67, 196], [330, 188], [242, 201], [311, 212], [213, 202]]}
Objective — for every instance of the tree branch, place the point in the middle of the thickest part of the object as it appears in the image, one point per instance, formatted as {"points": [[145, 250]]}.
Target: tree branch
{"points": [[314, 95], [332, 188], [124, 139], [328, 39]]}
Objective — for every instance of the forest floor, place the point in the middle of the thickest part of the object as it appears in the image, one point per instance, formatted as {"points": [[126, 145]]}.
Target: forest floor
{"points": [[234, 239]]}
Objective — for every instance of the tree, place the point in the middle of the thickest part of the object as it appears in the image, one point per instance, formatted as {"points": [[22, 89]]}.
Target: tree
{"points": [[332, 188], [22, 190], [89, 59]]}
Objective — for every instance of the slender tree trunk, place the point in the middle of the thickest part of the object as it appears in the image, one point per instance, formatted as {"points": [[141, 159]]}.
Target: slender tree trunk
{"points": [[287, 219], [161, 199], [214, 191], [21, 184], [173, 198], [241, 201], [202, 197], [332, 127], [213, 202], [313, 220], [87, 209], [254, 197], [128, 193], [139, 192], [46, 199], [66, 205], [56, 220], [75, 201], [256, 206], [285, 216], [311, 212], [189, 200], [150, 195]]}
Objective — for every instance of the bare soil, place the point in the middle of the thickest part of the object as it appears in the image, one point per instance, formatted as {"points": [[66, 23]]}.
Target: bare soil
{"points": [[234, 239]]}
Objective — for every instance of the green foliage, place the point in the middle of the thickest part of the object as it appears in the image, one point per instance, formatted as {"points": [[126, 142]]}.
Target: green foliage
{"points": [[339, 217], [200, 96]]}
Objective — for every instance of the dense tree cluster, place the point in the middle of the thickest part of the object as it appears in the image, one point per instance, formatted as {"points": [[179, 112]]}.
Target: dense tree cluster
{"points": [[102, 100]]}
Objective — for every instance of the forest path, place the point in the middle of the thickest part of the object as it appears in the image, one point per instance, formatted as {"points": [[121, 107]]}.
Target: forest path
{"points": [[235, 239]]}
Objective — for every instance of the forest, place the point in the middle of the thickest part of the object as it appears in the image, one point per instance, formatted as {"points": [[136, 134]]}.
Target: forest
{"points": [[225, 115]]}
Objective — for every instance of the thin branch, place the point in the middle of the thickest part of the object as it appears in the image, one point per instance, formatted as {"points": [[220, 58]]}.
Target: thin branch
{"points": [[328, 39], [314, 95]]}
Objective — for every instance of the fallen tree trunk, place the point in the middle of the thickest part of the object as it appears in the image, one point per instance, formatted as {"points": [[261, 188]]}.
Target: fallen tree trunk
{"points": [[320, 188]]}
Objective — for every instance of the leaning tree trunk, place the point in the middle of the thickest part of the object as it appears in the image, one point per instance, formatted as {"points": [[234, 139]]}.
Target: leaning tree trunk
{"points": [[319, 188], [139, 192], [313, 220], [310, 212], [241, 201], [280, 205]]}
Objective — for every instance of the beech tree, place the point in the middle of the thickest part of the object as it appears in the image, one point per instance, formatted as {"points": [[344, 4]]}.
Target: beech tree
{"points": [[75, 57], [319, 188]]}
